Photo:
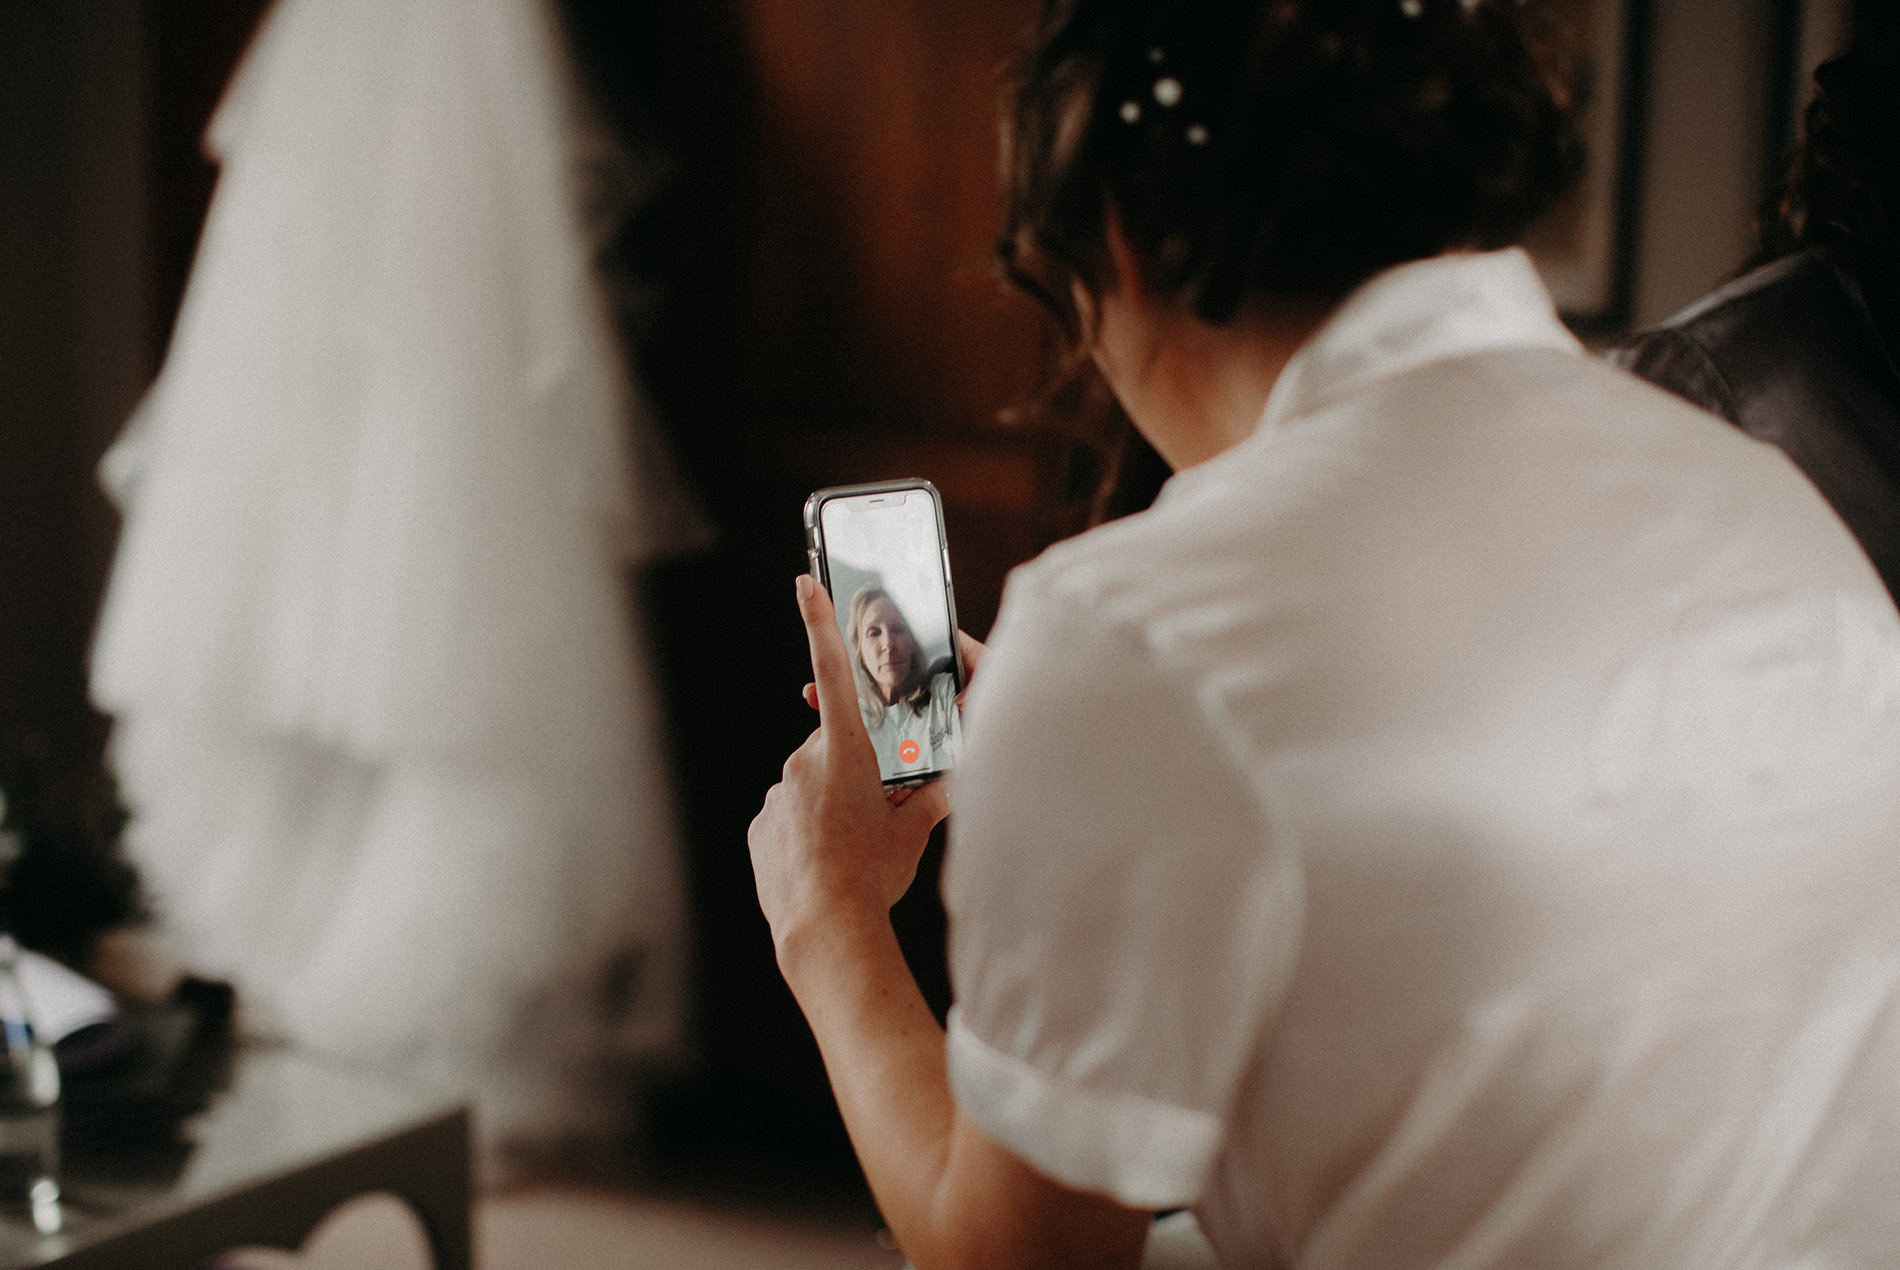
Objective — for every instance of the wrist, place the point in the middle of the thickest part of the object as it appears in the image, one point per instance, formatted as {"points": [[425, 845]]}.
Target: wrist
{"points": [[817, 947]]}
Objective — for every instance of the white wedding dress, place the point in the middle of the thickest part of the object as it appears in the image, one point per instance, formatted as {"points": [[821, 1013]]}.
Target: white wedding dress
{"points": [[381, 711]]}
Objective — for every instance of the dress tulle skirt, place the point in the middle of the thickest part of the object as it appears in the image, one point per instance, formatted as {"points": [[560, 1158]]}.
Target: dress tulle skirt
{"points": [[381, 707]]}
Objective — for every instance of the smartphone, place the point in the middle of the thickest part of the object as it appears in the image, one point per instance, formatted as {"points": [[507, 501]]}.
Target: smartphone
{"points": [[880, 551]]}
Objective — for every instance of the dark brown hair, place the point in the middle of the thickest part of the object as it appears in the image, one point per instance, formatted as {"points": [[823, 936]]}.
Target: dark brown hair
{"points": [[1261, 148], [1842, 197]]}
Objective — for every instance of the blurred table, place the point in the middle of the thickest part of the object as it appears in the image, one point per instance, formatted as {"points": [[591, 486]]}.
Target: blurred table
{"points": [[289, 1137]]}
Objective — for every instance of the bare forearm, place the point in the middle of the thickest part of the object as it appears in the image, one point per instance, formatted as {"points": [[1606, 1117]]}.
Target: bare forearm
{"points": [[953, 1197], [884, 1052], [831, 855]]}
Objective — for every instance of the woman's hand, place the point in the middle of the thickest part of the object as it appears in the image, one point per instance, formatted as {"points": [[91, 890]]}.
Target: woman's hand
{"points": [[831, 856], [829, 851], [972, 650]]}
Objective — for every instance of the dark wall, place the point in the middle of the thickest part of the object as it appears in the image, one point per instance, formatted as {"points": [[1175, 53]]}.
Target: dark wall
{"points": [[42, 565], [102, 190], [821, 310]]}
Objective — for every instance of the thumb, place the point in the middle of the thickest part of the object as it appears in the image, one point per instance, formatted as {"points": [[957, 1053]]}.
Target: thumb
{"points": [[833, 691]]}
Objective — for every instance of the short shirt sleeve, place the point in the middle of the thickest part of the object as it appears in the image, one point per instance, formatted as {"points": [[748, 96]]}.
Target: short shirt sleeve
{"points": [[1122, 921]]}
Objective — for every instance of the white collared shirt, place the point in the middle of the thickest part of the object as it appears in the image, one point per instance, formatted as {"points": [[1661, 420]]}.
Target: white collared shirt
{"points": [[1459, 825]]}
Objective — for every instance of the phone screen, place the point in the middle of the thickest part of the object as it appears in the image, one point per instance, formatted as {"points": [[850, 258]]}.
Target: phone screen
{"points": [[887, 569]]}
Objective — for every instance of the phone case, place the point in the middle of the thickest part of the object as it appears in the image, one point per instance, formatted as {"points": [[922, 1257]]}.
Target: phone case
{"points": [[820, 566]]}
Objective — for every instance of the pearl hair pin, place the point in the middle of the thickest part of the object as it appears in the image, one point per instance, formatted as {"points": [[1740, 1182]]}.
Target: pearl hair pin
{"points": [[1168, 92]]}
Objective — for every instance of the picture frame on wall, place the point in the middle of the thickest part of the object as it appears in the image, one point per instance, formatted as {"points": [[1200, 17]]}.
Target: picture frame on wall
{"points": [[1586, 247]]}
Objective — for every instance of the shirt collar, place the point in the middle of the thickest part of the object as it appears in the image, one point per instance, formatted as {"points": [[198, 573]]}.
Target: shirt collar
{"points": [[1423, 311]]}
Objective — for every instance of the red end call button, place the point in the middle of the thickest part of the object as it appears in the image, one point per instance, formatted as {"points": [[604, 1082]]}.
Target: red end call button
{"points": [[907, 752]]}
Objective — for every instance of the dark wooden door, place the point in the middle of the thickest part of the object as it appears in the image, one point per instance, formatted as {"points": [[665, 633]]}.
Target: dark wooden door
{"points": [[825, 311]]}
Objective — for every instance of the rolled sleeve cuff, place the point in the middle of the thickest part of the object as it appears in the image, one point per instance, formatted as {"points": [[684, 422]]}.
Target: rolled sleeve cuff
{"points": [[1142, 1152]]}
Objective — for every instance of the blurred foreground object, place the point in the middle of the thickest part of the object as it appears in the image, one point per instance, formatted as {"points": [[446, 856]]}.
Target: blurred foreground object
{"points": [[382, 715]]}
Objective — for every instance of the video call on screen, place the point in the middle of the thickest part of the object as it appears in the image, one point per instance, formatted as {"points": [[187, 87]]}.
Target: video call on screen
{"points": [[887, 544]]}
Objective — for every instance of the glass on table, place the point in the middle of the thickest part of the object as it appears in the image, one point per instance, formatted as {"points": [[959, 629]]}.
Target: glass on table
{"points": [[29, 1103]]}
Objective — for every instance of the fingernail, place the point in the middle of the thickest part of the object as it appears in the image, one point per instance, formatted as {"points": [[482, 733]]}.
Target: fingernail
{"points": [[804, 587]]}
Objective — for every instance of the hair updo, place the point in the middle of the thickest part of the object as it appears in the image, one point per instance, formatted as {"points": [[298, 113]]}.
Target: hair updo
{"points": [[1291, 148]]}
